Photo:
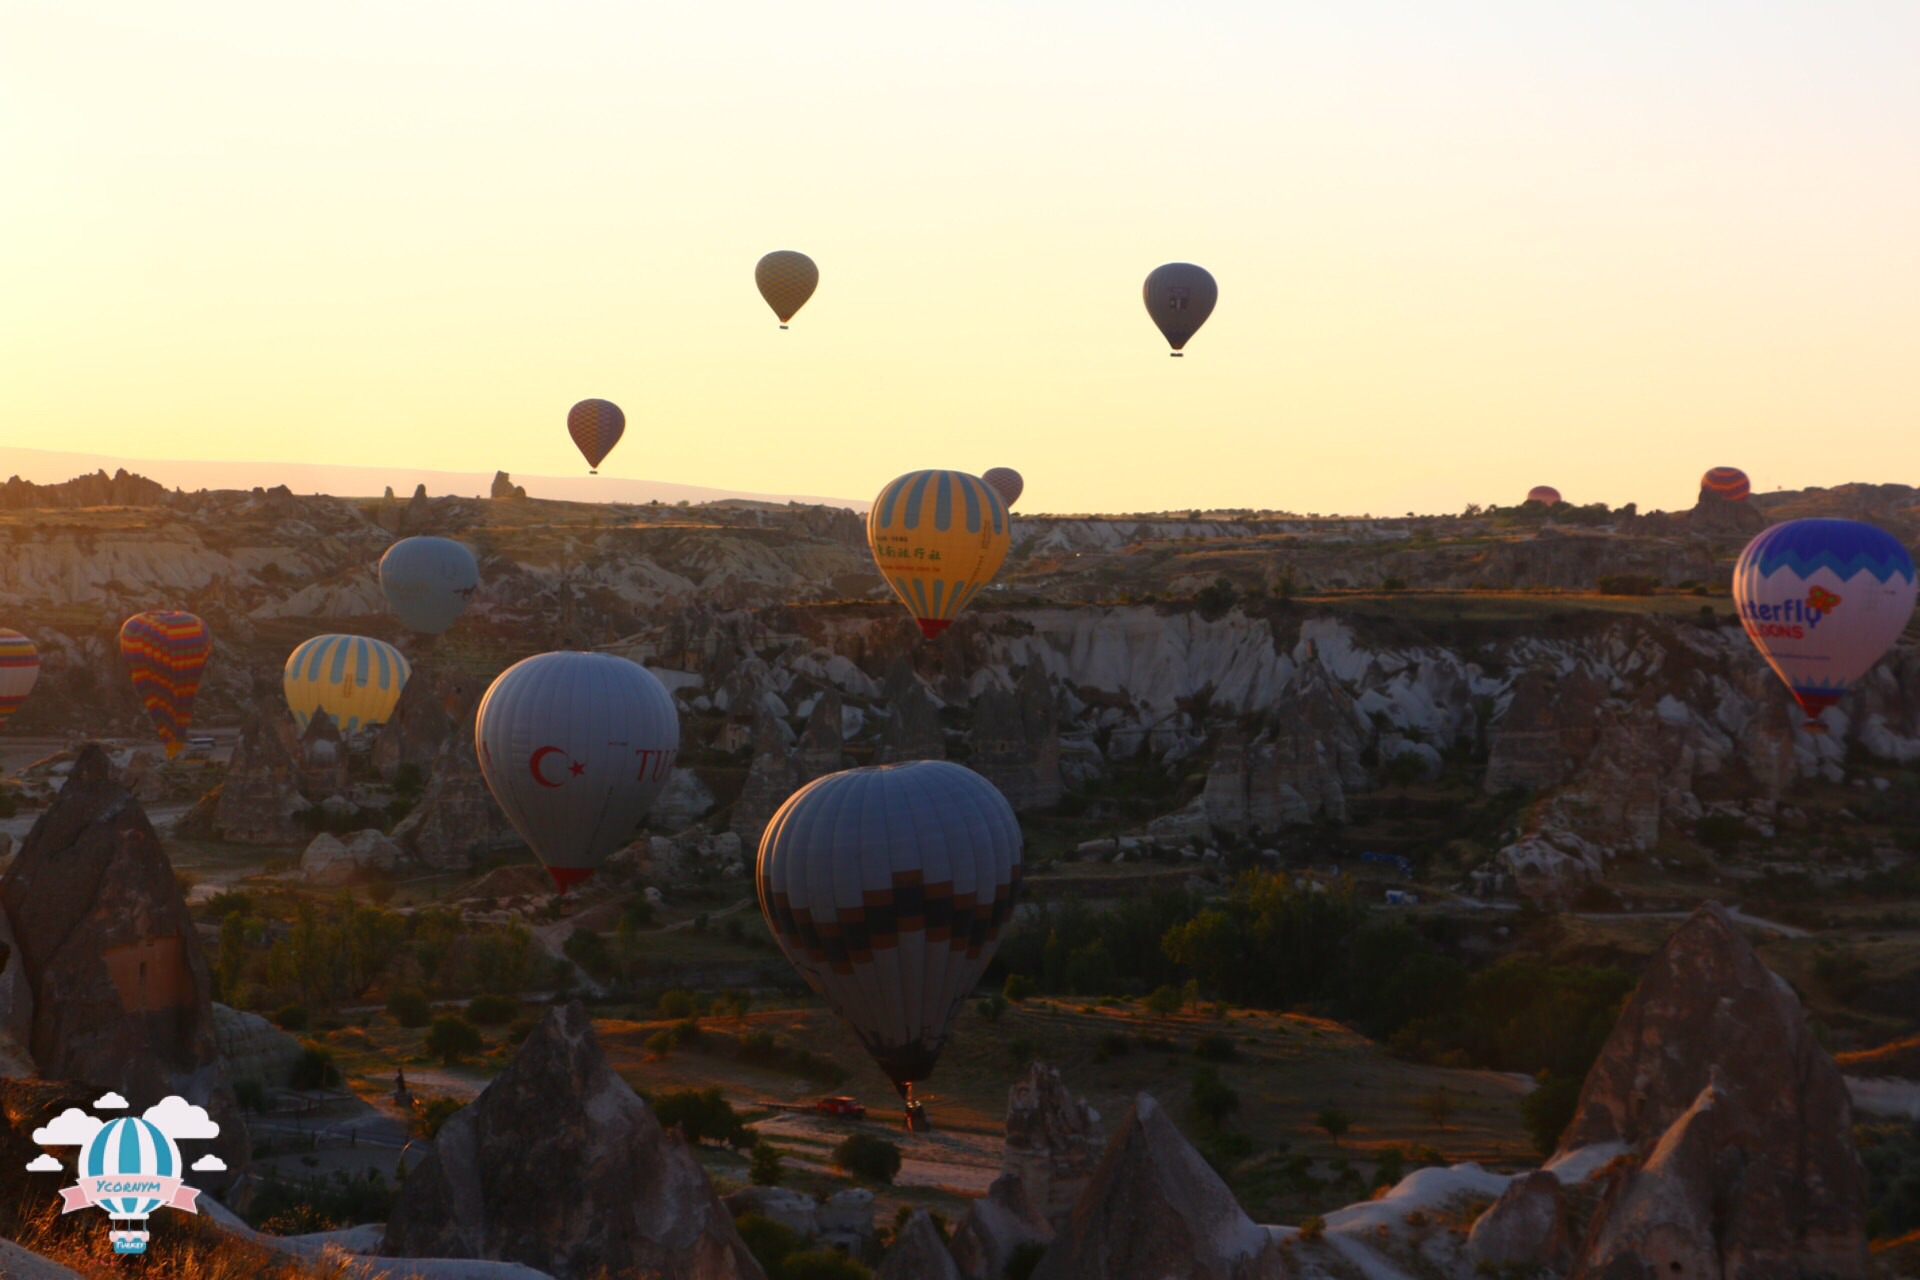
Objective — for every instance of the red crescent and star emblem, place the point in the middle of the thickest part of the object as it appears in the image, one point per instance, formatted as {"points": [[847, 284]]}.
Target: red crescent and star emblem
{"points": [[534, 766]]}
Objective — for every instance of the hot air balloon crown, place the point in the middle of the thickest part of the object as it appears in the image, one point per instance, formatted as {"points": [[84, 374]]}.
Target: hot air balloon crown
{"points": [[1845, 547]]}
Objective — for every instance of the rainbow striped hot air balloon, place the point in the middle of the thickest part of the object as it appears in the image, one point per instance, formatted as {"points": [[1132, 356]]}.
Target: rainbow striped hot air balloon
{"points": [[130, 1169], [354, 679], [938, 537], [19, 670], [165, 652], [1823, 600], [1729, 484]]}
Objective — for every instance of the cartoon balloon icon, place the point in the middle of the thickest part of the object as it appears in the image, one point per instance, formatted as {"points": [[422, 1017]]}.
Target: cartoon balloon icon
{"points": [[1823, 600], [130, 1169]]}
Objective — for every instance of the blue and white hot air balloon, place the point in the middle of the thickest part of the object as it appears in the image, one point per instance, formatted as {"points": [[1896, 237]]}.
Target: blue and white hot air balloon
{"points": [[1823, 600], [429, 582], [574, 747], [130, 1169]]}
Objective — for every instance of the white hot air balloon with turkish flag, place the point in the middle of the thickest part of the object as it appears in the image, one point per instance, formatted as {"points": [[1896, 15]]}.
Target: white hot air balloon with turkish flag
{"points": [[575, 747]]}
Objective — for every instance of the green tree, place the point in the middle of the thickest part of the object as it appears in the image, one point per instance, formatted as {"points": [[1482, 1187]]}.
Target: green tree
{"points": [[1335, 1121], [765, 1169], [1548, 1110], [503, 959], [1438, 1106], [409, 1008], [703, 1115], [452, 1038], [1211, 1098], [868, 1158], [431, 1114], [232, 962], [373, 937]]}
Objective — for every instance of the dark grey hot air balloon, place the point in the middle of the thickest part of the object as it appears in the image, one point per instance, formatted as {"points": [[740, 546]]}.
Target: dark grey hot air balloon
{"points": [[575, 746], [888, 888], [1180, 297], [596, 426], [429, 582]]}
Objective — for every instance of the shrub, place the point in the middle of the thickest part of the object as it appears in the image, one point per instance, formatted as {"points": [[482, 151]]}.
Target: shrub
{"points": [[590, 951], [433, 1113], [660, 1043], [409, 1008], [770, 1242], [284, 1206], [676, 1004], [868, 1158], [703, 1115], [1548, 1110], [1215, 1048], [492, 1011], [1019, 986], [227, 902], [1165, 1000], [291, 1017], [765, 1169], [1112, 1045], [938, 1219], [822, 1264], [1438, 1106], [250, 1094], [519, 1029], [314, 1068], [1628, 584], [1313, 1228], [1213, 1100], [453, 1038], [992, 1007], [1335, 1121]]}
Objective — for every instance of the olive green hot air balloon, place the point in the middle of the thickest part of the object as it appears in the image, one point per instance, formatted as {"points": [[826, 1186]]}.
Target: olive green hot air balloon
{"points": [[786, 280]]}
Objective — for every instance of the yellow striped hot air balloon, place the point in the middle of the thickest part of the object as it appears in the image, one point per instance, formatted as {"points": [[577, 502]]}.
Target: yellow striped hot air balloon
{"points": [[938, 537], [354, 679]]}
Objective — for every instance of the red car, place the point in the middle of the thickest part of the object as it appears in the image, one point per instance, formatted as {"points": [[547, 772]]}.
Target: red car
{"points": [[848, 1107]]}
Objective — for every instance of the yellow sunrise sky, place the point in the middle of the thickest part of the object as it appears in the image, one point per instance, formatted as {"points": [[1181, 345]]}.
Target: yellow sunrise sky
{"points": [[1462, 248]]}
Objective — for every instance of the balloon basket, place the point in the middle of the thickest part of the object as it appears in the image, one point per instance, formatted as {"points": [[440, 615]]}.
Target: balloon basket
{"points": [[1814, 726], [783, 326], [1177, 355], [916, 1118]]}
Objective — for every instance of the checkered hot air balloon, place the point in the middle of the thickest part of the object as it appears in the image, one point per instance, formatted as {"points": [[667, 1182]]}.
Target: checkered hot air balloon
{"points": [[786, 279], [888, 889], [354, 679], [1006, 482], [575, 747], [1179, 297], [19, 670], [165, 652], [938, 537], [596, 426], [1823, 601]]}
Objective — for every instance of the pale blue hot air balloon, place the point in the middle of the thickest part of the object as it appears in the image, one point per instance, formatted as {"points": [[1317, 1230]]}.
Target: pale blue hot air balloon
{"points": [[131, 1153], [429, 582], [888, 888], [574, 747], [1823, 600]]}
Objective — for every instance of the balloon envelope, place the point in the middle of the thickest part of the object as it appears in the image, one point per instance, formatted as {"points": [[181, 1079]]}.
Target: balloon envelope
{"points": [[1180, 297], [575, 747], [1544, 494], [165, 651], [131, 1147], [1006, 482], [1727, 483], [429, 582], [356, 680], [888, 888], [938, 537], [1823, 600], [596, 426], [19, 671], [786, 279]]}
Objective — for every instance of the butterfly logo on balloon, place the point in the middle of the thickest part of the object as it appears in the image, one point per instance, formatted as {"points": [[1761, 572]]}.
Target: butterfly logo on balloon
{"points": [[1821, 600]]}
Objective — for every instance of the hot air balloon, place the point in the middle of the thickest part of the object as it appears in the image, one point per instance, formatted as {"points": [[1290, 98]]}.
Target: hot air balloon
{"points": [[575, 746], [354, 679], [888, 888], [1726, 483], [1180, 297], [1544, 494], [1823, 600], [132, 1152], [429, 582], [164, 653], [786, 279], [19, 670], [1006, 482], [938, 537], [596, 426]]}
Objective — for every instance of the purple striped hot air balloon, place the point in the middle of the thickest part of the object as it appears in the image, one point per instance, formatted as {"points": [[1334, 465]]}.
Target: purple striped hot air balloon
{"points": [[596, 426], [575, 747]]}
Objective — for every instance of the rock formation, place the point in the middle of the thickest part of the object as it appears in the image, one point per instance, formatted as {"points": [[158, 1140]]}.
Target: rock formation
{"points": [[504, 488], [1301, 764], [1548, 729], [254, 1049], [1155, 1208], [323, 759], [1742, 1122], [994, 1227], [121, 489], [433, 707], [1525, 1227], [1054, 1142], [821, 749], [329, 860], [260, 794], [122, 995], [456, 821], [917, 1253], [16, 1007], [912, 731], [1016, 742], [770, 780], [634, 1199]]}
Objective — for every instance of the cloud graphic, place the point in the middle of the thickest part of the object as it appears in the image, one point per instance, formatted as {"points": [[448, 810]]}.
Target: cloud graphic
{"points": [[178, 1119], [71, 1128], [209, 1164], [43, 1163], [110, 1101]]}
